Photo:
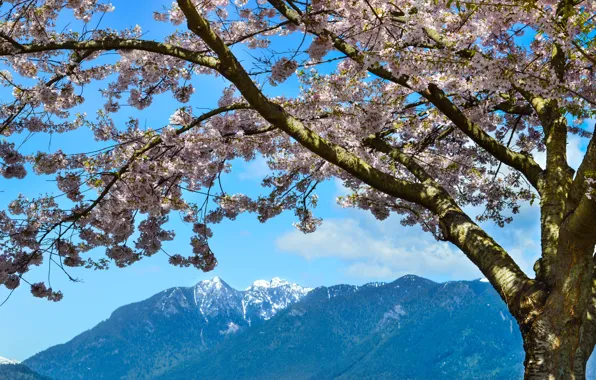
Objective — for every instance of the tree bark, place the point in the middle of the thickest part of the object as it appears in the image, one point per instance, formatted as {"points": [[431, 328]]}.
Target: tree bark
{"points": [[559, 340], [554, 351]]}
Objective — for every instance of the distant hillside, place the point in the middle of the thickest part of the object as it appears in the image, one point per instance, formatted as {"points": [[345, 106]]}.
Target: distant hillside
{"points": [[412, 328], [12, 370]]}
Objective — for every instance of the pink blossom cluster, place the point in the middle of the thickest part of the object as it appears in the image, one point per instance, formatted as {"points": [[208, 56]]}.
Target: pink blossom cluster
{"points": [[282, 70]]}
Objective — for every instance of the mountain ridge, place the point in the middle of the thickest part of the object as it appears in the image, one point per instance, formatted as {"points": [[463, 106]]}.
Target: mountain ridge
{"points": [[411, 327]]}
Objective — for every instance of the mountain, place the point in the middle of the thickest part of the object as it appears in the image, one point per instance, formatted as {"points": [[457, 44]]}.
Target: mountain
{"points": [[412, 328], [144, 339], [13, 370]]}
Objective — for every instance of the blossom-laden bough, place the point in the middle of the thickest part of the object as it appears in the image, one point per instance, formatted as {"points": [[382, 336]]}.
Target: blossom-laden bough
{"points": [[420, 108]]}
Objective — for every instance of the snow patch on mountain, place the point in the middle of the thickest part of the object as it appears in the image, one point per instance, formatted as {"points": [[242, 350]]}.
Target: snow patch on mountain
{"points": [[374, 284], [259, 284], [392, 315], [4, 361], [232, 329]]}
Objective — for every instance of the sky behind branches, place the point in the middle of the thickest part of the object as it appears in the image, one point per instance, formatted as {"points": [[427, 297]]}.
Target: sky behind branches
{"points": [[350, 246]]}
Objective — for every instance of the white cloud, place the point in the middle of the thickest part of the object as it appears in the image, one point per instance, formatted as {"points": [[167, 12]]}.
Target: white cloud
{"points": [[370, 252]]}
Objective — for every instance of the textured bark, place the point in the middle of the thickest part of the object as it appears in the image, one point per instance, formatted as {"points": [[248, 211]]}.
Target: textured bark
{"points": [[554, 185], [551, 354], [559, 340]]}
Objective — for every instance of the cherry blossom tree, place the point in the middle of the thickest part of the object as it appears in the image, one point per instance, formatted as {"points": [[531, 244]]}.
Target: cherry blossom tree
{"points": [[421, 108]]}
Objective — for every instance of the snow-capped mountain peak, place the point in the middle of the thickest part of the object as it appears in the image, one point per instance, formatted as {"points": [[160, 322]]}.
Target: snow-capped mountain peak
{"points": [[215, 282], [266, 298], [213, 298], [259, 284], [7, 361], [275, 282]]}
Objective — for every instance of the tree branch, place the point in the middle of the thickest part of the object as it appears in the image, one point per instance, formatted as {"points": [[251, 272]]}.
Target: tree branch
{"points": [[523, 163], [515, 109], [517, 290], [119, 44], [555, 184], [232, 70], [581, 208]]}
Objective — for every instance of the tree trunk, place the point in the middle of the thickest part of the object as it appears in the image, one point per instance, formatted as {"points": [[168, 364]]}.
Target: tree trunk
{"points": [[559, 337], [554, 353]]}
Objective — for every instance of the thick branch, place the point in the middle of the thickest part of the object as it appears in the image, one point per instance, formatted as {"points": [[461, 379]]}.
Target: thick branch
{"points": [[277, 116], [555, 184], [515, 288], [523, 296], [515, 109], [581, 207], [524, 163], [581, 222]]}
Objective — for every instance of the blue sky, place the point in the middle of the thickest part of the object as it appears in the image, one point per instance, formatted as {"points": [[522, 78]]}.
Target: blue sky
{"points": [[350, 246]]}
